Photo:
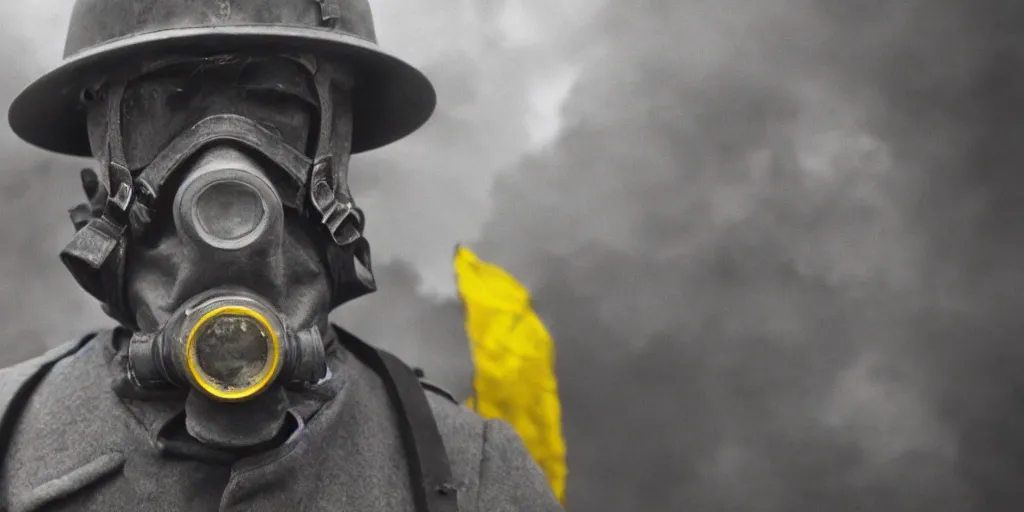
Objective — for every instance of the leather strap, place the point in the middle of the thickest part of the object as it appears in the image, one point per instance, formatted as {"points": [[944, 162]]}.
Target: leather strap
{"points": [[222, 127]]}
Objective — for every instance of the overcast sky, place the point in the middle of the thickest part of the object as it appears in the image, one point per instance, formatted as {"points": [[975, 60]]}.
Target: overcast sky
{"points": [[778, 242]]}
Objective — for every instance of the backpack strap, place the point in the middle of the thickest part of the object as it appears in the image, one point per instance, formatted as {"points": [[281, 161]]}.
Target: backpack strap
{"points": [[16, 386], [432, 484]]}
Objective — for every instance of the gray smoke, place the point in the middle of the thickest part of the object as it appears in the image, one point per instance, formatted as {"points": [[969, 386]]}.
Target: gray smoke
{"points": [[776, 241]]}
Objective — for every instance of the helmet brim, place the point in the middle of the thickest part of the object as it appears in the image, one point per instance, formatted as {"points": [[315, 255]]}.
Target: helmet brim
{"points": [[391, 99]]}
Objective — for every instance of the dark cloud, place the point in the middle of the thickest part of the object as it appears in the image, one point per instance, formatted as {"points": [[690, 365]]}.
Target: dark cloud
{"points": [[777, 241], [775, 244]]}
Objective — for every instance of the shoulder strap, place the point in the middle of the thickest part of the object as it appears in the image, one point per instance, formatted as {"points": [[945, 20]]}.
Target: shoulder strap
{"points": [[432, 484], [16, 386]]}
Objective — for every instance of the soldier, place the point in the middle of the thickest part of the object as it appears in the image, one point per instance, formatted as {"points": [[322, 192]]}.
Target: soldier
{"points": [[219, 233]]}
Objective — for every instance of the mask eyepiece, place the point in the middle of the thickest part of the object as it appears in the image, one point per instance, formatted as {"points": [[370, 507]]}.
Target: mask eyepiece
{"points": [[227, 203], [228, 212]]}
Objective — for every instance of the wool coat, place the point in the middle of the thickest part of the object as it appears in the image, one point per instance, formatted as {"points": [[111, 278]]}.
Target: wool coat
{"points": [[79, 445]]}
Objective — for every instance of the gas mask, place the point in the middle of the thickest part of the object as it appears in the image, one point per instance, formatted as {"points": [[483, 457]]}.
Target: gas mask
{"points": [[222, 231], [229, 239]]}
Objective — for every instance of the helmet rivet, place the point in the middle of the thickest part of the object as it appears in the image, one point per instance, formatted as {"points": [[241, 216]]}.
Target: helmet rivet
{"points": [[89, 96]]}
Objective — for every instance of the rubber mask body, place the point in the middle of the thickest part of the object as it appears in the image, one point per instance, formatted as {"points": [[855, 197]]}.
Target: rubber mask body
{"points": [[228, 285], [227, 237], [185, 258]]}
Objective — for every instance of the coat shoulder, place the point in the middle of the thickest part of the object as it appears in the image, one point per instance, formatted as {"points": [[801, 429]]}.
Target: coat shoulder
{"points": [[12, 376], [462, 431], [492, 467], [43, 448], [73, 391]]}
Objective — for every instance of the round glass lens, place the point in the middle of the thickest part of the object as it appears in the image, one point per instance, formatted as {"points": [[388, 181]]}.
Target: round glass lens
{"points": [[229, 210], [233, 351]]}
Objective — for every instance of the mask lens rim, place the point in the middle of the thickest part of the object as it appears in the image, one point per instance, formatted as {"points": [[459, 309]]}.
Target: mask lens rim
{"points": [[202, 380]]}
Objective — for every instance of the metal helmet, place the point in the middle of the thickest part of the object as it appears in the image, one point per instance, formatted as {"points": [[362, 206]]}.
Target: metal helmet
{"points": [[391, 99]]}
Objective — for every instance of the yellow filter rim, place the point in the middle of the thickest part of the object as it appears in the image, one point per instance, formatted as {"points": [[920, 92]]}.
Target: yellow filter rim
{"points": [[235, 395]]}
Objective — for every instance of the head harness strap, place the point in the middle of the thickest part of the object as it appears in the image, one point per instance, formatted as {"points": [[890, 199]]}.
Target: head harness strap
{"points": [[338, 214], [96, 254]]}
